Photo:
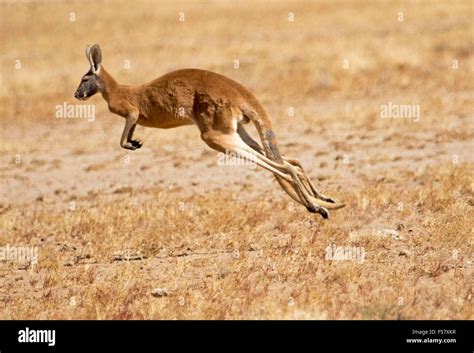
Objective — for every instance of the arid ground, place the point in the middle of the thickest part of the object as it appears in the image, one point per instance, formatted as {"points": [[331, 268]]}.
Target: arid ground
{"points": [[375, 98]]}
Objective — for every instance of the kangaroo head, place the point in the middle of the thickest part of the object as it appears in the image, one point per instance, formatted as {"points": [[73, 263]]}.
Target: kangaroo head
{"points": [[91, 83]]}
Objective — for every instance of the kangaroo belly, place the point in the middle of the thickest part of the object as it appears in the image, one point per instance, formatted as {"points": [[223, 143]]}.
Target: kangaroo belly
{"points": [[164, 120]]}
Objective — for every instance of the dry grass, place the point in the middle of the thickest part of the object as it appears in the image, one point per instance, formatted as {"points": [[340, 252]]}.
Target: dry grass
{"points": [[224, 242]]}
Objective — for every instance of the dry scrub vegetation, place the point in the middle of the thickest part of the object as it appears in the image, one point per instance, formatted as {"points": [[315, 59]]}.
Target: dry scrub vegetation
{"points": [[165, 232]]}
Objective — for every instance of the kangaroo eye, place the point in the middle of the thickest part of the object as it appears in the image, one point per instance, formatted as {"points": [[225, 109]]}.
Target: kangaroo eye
{"points": [[85, 79]]}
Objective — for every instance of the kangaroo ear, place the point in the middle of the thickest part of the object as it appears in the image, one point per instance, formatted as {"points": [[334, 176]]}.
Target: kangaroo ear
{"points": [[88, 50], [95, 57]]}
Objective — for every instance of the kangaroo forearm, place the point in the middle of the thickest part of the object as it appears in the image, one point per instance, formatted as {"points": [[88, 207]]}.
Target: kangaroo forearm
{"points": [[128, 129], [126, 140]]}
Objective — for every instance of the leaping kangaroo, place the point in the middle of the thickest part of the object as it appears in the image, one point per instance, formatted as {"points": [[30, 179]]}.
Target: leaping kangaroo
{"points": [[219, 106]]}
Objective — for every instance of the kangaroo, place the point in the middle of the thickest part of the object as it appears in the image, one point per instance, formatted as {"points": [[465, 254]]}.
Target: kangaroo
{"points": [[217, 105]]}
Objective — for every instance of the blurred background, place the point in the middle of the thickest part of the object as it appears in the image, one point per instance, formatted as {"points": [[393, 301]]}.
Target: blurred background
{"points": [[324, 71]]}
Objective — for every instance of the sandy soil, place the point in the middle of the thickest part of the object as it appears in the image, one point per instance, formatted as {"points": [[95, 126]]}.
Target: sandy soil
{"points": [[168, 232]]}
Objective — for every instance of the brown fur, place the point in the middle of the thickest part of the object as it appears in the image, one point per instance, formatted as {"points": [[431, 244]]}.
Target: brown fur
{"points": [[219, 107], [198, 92]]}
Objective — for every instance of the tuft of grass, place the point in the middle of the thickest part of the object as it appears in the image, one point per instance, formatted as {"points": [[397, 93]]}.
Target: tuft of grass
{"points": [[111, 226]]}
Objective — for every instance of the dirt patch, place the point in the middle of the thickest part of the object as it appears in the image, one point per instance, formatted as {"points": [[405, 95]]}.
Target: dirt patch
{"points": [[167, 232]]}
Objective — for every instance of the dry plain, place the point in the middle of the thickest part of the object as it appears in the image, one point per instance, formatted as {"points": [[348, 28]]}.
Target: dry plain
{"points": [[167, 232]]}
